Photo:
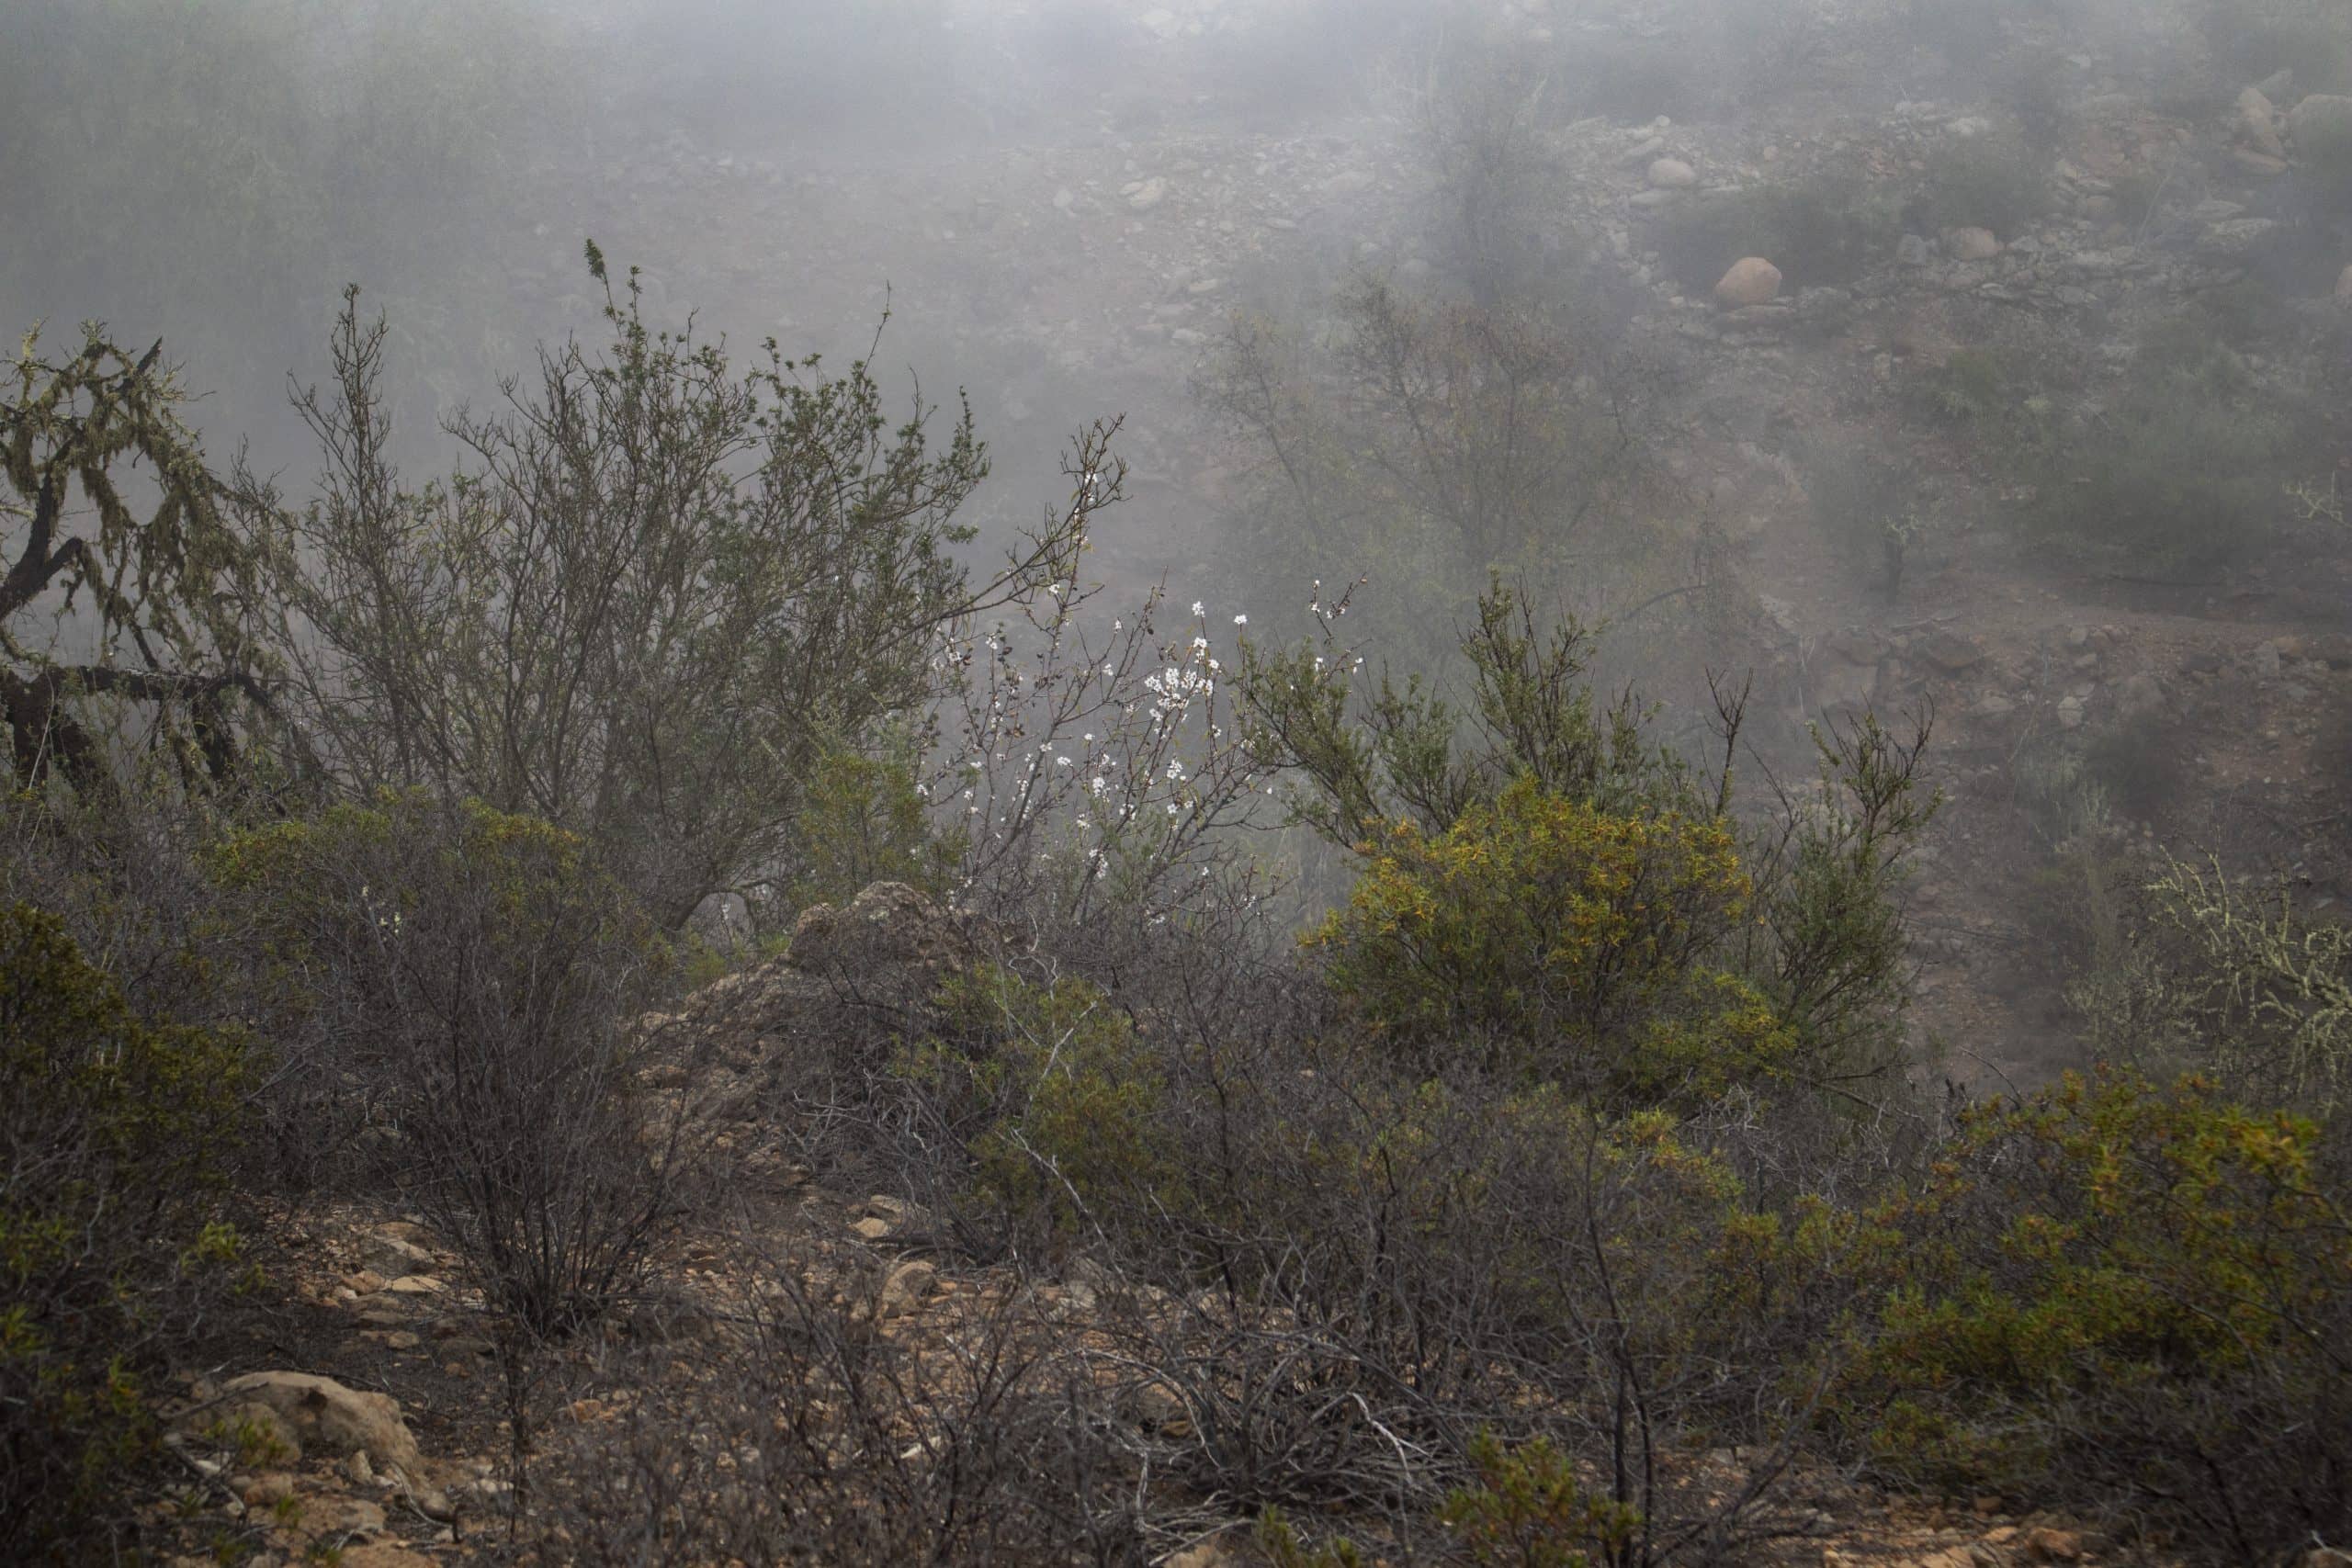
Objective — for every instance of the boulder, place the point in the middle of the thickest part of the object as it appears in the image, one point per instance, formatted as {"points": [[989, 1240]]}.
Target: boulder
{"points": [[1973, 244], [1751, 281], [2258, 122], [328, 1418], [1951, 653], [1673, 173]]}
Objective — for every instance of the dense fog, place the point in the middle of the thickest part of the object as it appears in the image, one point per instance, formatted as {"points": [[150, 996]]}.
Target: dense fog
{"points": [[1987, 220]]}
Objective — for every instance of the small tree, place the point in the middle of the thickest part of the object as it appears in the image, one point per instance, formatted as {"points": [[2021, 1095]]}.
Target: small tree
{"points": [[130, 577], [656, 591]]}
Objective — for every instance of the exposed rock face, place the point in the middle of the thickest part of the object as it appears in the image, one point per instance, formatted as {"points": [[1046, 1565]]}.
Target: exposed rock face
{"points": [[328, 1418], [856, 977], [1751, 281]]}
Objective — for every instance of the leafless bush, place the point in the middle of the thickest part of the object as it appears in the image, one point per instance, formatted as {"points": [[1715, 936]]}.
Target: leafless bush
{"points": [[453, 990], [797, 1431]]}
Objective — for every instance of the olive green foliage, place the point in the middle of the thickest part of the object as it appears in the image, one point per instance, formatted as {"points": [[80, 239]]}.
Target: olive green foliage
{"points": [[2115, 1295], [1823, 233], [1060, 1102], [132, 579], [1527, 1509], [2182, 472], [1991, 181], [655, 590], [456, 986], [864, 819], [1544, 881], [1583, 942], [114, 1134]]}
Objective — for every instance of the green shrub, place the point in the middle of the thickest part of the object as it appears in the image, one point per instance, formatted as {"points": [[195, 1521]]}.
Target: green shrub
{"points": [[1576, 942], [459, 989], [1992, 181], [2183, 472], [113, 1137], [1060, 1102], [2112, 1295]]}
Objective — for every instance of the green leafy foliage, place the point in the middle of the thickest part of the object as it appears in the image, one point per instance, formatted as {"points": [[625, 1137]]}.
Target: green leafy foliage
{"points": [[458, 985], [1060, 1101], [1529, 1510], [114, 1134], [2113, 1291]]}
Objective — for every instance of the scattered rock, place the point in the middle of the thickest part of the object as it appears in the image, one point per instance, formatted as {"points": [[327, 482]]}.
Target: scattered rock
{"points": [[381, 1554], [906, 1287], [2049, 1545], [340, 1516], [387, 1252], [1673, 173], [1973, 244], [330, 1418], [1148, 194], [1950, 652], [1751, 281]]}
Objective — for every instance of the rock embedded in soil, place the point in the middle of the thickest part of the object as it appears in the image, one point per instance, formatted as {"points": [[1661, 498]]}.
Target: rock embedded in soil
{"points": [[1751, 281]]}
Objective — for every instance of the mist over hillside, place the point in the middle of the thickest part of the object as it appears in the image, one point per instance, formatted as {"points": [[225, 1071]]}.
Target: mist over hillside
{"points": [[1234, 780]]}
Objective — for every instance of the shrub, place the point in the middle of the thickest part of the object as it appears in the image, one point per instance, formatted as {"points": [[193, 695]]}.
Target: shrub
{"points": [[1576, 942], [456, 986], [2182, 472], [1061, 1107], [1993, 181], [114, 1136], [657, 589], [2114, 1295]]}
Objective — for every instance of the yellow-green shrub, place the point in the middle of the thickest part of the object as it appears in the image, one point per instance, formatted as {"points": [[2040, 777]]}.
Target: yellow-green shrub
{"points": [[2113, 1291], [1576, 940]]}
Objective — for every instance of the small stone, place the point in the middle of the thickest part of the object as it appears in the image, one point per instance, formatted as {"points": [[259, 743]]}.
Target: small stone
{"points": [[1148, 194], [873, 1227], [2070, 717], [2049, 1545], [269, 1489], [1673, 173], [1751, 281]]}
